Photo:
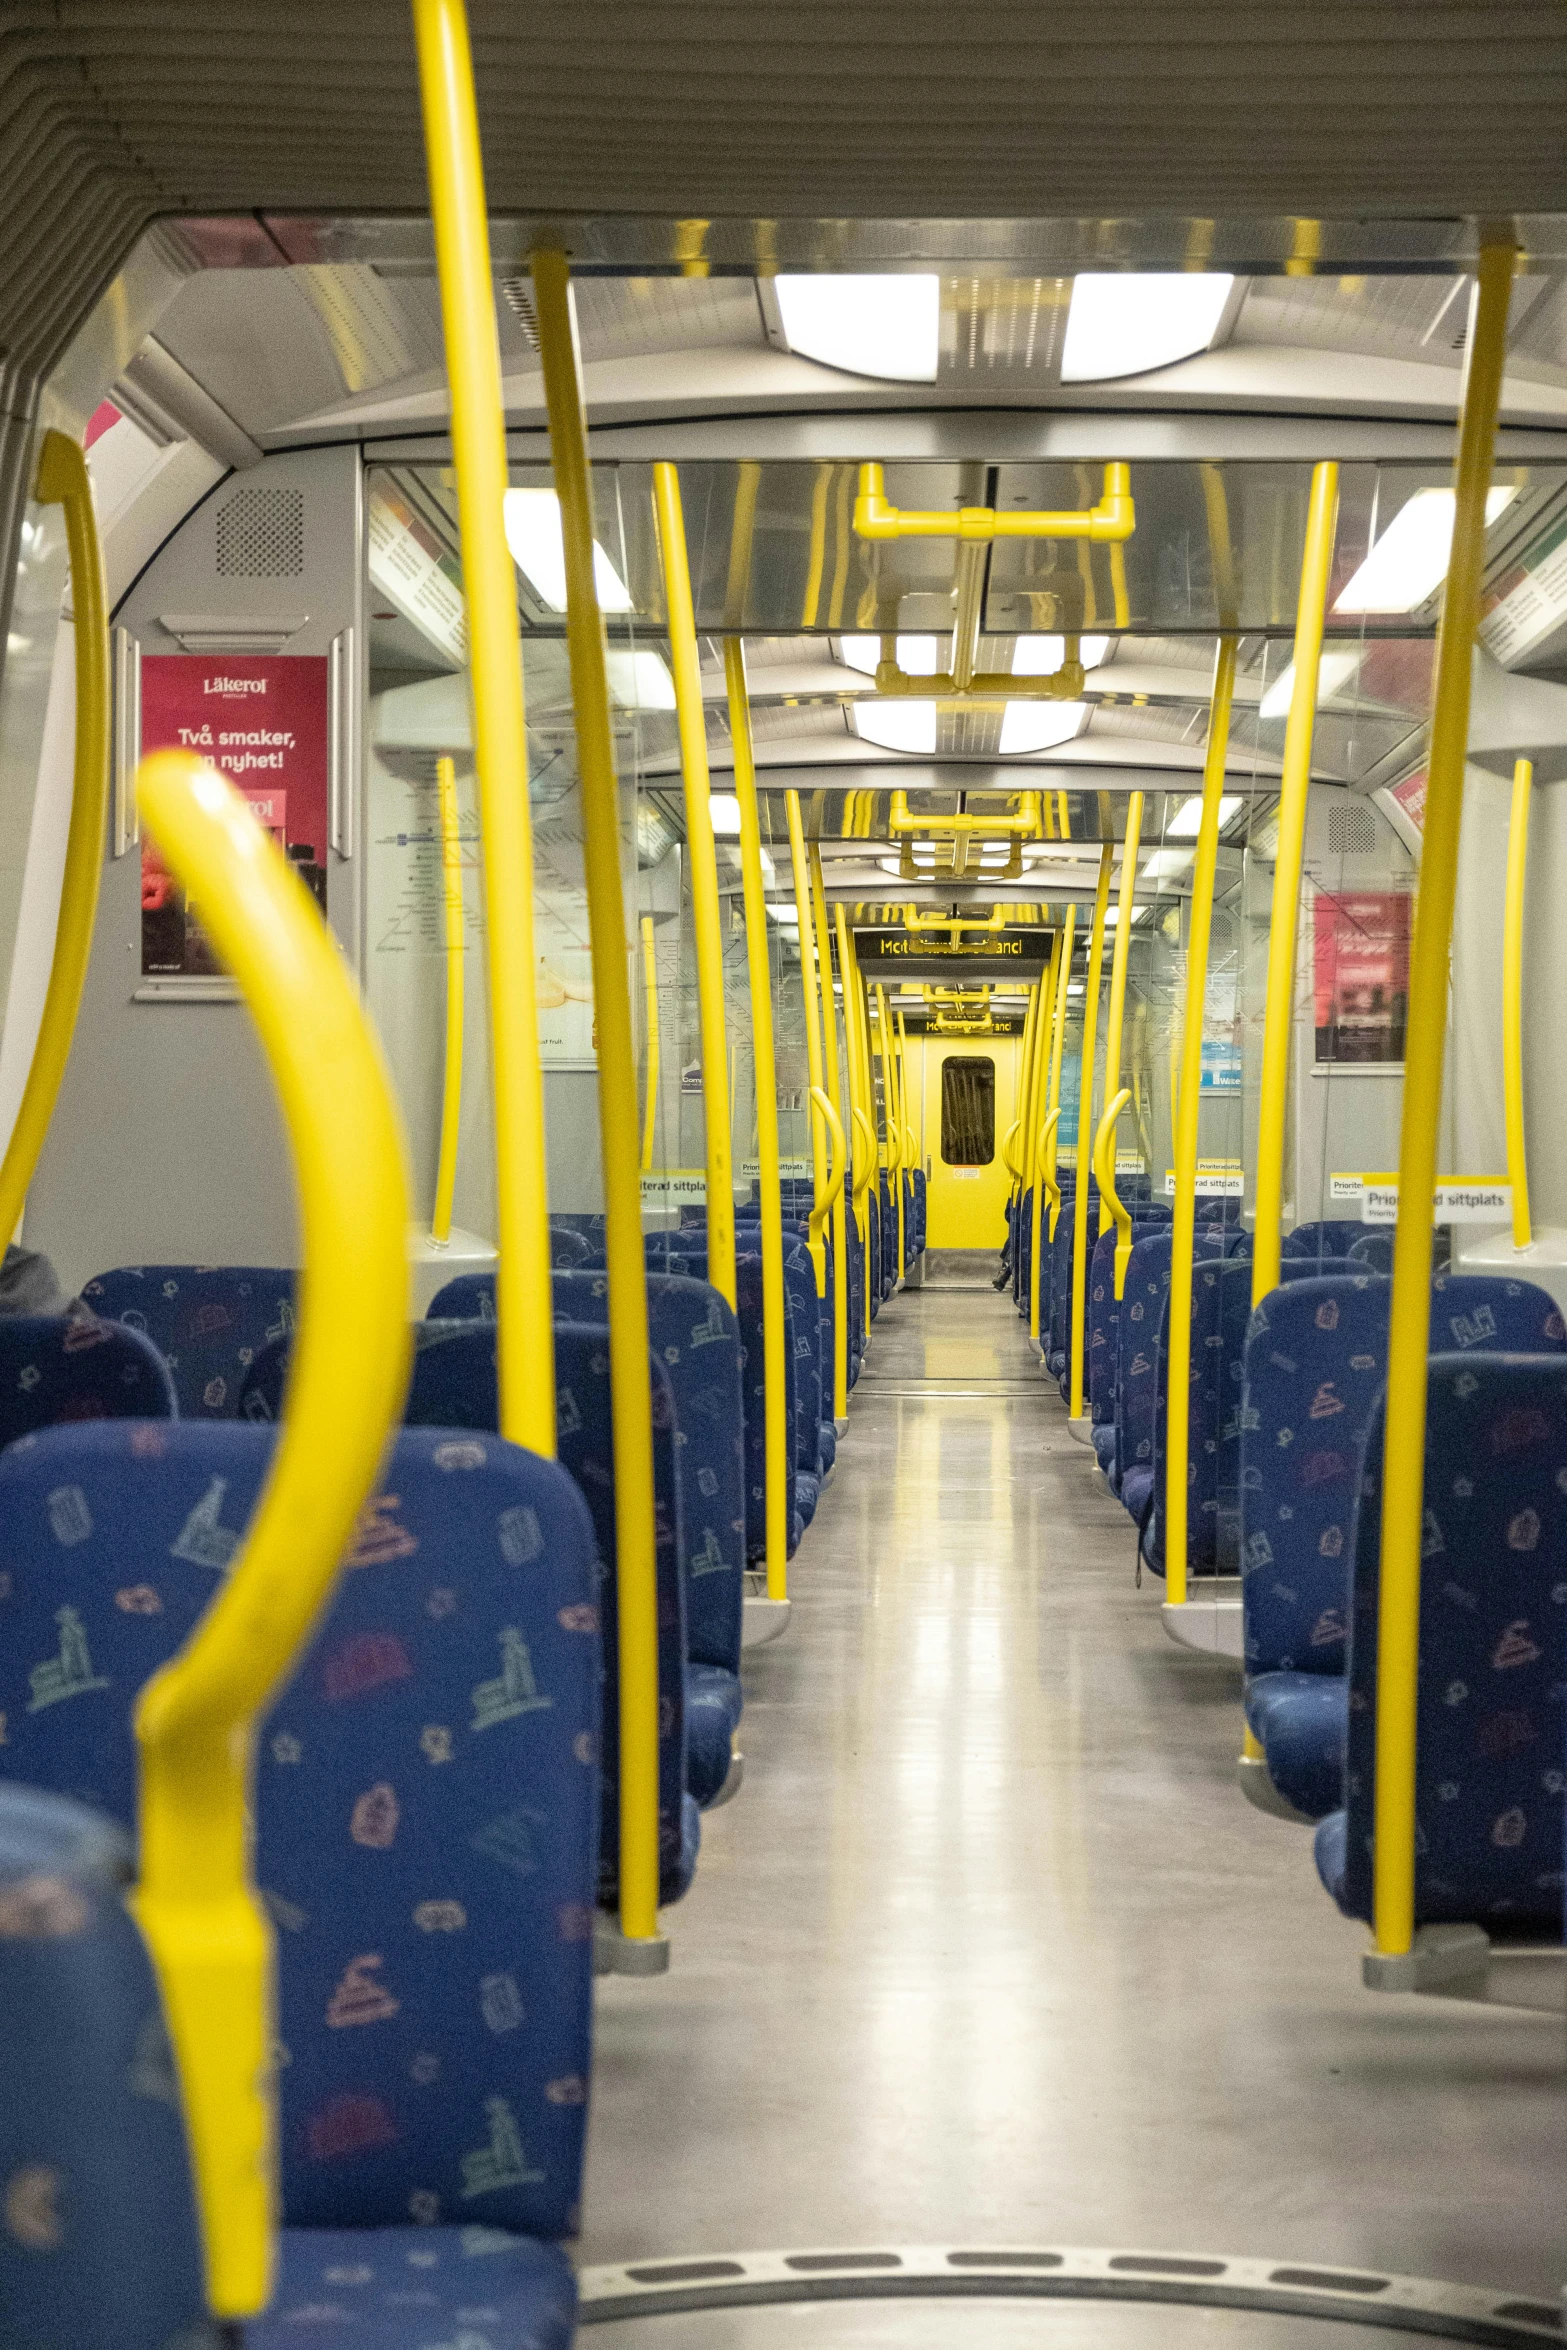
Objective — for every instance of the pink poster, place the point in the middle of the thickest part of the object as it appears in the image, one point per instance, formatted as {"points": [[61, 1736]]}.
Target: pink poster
{"points": [[261, 720], [1411, 797], [1360, 971]]}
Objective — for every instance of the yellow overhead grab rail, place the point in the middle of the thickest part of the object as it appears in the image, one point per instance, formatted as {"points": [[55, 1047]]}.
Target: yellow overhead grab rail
{"points": [[765, 1067], [631, 1408], [1113, 519], [1404, 1439], [62, 481], [195, 1720], [1512, 1000], [525, 1347]]}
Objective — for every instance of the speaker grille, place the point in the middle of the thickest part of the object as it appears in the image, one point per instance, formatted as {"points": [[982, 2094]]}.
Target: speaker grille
{"points": [[1352, 832], [261, 535]]}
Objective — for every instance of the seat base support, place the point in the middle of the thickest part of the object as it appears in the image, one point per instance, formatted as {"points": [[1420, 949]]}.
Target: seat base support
{"points": [[1210, 1623], [762, 1619], [615, 1953], [1462, 1962], [1251, 1777]]}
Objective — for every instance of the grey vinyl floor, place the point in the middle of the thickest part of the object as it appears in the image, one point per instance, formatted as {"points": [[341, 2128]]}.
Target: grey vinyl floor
{"points": [[990, 1950]]}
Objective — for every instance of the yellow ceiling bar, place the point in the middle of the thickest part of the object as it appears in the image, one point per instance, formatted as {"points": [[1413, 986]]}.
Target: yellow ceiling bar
{"points": [[1199, 926], [525, 1349], [1404, 1440], [631, 1409], [834, 1088], [702, 856], [62, 481], [1512, 1000], [195, 1901], [1118, 962], [1113, 519], [1295, 785], [1082, 1165]]}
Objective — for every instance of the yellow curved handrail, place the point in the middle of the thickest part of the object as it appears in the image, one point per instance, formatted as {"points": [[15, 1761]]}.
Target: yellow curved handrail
{"points": [[1278, 1015], [1052, 1186], [62, 481], [764, 1062], [702, 858], [195, 1719], [865, 1126], [1112, 519], [1404, 1439], [1007, 1160], [1104, 1168], [631, 1411], [1512, 1001], [1085, 1110], [451, 1079], [837, 1155], [1188, 1103], [525, 1346]]}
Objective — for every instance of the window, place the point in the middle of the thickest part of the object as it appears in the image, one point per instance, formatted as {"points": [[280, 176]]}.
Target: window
{"points": [[968, 1112]]}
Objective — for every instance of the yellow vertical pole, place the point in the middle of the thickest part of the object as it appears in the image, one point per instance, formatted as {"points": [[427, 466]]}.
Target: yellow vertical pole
{"points": [[1118, 962], [1017, 1160], [451, 1086], [631, 1411], [902, 1145], [813, 1036], [525, 1348], [1057, 1048], [1403, 1448], [1036, 1149], [1278, 1017], [764, 1057], [650, 1004], [703, 859], [1085, 1127], [834, 1081], [853, 1031], [1512, 1001], [1183, 1238], [884, 1049]]}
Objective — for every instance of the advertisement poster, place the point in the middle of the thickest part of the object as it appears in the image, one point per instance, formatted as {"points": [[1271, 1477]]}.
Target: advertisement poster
{"points": [[262, 721], [1411, 797], [1360, 976], [1221, 1052]]}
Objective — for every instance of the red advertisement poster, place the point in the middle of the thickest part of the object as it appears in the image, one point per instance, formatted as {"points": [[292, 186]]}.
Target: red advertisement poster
{"points": [[263, 722], [1360, 972], [1411, 797]]}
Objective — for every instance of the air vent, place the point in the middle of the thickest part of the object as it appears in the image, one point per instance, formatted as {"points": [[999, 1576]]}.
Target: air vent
{"points": [[1352, 832], [261, 535], [517, 294]]}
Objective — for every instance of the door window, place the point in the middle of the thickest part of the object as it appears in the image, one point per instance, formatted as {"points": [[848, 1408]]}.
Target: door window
{"points": [[968, 1111]]}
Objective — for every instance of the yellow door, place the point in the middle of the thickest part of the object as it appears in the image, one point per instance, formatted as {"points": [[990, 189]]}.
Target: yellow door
{"points": [[967, 1100]]}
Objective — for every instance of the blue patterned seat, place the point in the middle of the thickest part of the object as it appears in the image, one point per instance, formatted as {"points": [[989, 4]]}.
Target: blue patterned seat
{"points": [[692, 1260], [1373, 1250], [426, 1811], [102, 2247], [1324, 1241], [209, 1322], [1221, 1308], [1493, 1615], [568, 1248], [1316, 1359], [57, 1368], [1139, 1325], [1104, 1316]]}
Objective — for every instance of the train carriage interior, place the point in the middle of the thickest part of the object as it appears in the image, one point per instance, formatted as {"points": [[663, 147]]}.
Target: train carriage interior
{"points": [[783, 1360]]}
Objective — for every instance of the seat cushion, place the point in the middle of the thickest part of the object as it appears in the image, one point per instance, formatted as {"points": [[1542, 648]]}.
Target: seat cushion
{"points": [[1136, 1493], [807, 1493], [1301, 1721], [713, 1702], [1329, 1849], [1103, 1434], [410, 2288]]}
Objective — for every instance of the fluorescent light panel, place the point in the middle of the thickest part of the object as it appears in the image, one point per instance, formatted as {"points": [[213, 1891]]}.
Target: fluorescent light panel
{"points": [[639, 680], [889, 327], [1039, 726], [1410, 559], [533, 534], [917, 655], [1333, 671], [725, 810], [1186, 823], [1126, 322], [1042, 656], [897, 725]]}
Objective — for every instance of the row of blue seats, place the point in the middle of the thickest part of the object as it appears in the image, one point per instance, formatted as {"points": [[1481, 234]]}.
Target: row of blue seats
{"points": [[1284, 1489]]}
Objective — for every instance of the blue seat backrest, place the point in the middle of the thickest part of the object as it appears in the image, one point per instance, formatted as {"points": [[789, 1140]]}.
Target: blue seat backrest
{"points": [[102, 2246], [753, 1371], [1221, 1302], [568, 1247], [1373, 1249], [1137, 1350], [1104, 1315], [1328, 1239], [1493, 1618], [209, 1322], [426, 1793], [63, 1367], [1316, 1359]]}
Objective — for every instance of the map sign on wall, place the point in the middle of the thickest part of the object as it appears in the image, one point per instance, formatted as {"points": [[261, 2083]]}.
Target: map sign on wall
{"points": [[1360, 973], [263, 723]]}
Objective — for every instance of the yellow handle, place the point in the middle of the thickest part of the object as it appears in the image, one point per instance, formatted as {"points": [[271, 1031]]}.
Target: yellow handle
{"points": [[864, 1126], [1052, 1187], [1112, 519], [62, 481], [838, 1156], [451, 1090], [1512, 1001], [1104, 1168], [525, 1346], [195, 1719]]}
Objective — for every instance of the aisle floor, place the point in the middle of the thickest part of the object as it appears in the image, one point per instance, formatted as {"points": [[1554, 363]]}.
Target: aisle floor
{"points": [[991, 1949]]}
